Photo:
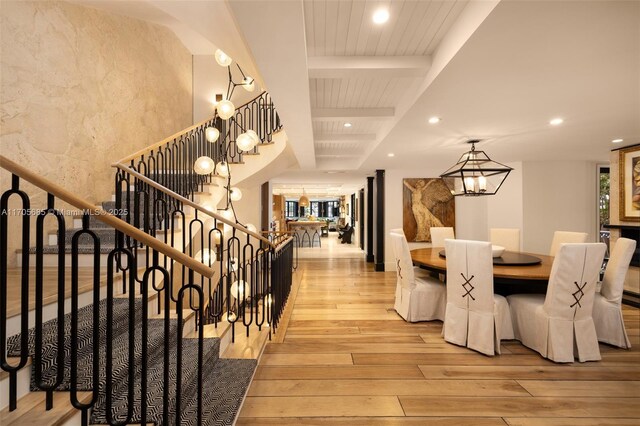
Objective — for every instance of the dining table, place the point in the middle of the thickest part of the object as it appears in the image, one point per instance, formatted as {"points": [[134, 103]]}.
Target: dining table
{"points": [[509, 276]]}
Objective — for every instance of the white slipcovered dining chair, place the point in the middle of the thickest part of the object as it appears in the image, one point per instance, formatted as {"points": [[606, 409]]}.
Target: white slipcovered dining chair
{"points": [[562, 237], [555, 323], [439, 234], [509, 238], [607, 309], [419, 297], [475, 317]]}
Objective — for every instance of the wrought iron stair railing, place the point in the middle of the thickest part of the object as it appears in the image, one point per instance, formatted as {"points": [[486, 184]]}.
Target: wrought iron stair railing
{"points": [[156, 187], [146, 267], [240, 290], [170, 162]]}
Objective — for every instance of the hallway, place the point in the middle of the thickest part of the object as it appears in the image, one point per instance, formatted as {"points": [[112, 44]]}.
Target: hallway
{"points": [[348, 358]]}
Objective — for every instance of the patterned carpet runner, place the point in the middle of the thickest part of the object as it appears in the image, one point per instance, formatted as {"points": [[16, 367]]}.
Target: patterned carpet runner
{"points": [[225, 381]]}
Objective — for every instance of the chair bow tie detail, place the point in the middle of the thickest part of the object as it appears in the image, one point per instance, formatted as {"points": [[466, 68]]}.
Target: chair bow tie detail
{"points": [[399, 268], [577, 295], [469, 289]]}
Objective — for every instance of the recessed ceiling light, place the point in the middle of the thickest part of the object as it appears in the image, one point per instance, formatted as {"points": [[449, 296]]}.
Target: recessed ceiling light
{"points": [[391, 154], [434, 120], [347, 124], [617, 140], [380, 16], [556, 121]]}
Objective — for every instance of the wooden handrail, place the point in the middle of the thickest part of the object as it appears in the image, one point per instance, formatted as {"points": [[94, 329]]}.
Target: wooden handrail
{"points": [[164, 141], [282, 244], [190, 203], [105, 217]]}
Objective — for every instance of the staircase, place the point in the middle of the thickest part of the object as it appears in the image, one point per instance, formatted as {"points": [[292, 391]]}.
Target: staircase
{"points": [[124, 318], [224, 380]]}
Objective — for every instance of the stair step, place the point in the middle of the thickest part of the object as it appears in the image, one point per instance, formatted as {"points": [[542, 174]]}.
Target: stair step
{"points": [[50, 286], [156, 340], [31, 410], [247, 347], [85, 257], [155, 372], [23, 381], [222, 332], [224, 387]]}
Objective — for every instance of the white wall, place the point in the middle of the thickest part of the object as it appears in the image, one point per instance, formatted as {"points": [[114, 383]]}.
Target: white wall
{"points": [[558, 196], [248, 208], [505, 209]]}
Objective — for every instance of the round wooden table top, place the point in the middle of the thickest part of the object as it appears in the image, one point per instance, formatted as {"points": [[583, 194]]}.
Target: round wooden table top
{"points": [[430, 258]]}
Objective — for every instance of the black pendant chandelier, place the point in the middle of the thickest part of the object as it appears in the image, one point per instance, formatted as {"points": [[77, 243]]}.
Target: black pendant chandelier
{"points": [[475, 174]]}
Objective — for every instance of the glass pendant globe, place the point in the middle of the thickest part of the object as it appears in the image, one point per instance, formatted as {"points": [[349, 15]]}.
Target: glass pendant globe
{"points": [[255, 138], [212, 134], [236, 194], [231, 316], [244, 141], [222, 58], [225, 109], [206, 256], [249, 84], [204, 165], [240, 289], [222, 169]]}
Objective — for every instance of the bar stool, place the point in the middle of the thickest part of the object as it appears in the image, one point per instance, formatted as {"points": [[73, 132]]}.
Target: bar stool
{"points": [[306, 234], [316, 234]]}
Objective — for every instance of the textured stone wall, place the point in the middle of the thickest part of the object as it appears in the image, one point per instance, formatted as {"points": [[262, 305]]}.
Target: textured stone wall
{"points": [[82, 88]]}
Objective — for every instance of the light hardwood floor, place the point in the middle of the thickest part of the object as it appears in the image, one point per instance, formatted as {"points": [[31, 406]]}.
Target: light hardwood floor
{"points": [[347, 358]]}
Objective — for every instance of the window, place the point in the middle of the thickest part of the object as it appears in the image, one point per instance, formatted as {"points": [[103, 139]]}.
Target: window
{"points": [[291, 209], [603, 203], [315, 208]]}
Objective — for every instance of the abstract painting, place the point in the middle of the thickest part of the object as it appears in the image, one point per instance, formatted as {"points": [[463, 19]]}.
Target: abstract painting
{"points": [[630, 183], [426, 202]]}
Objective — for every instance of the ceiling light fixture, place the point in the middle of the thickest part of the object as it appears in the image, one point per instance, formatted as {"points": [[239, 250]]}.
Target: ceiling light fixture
{"points": [[225, 109], [434, 120], [235, 193], [556, 121], [347, 124], [380, 16], [617, 140], [248, 83], [235, 133], [475, 174], [304, 200], [222, 58], [391, 154], [212, 134], [204, 165]]}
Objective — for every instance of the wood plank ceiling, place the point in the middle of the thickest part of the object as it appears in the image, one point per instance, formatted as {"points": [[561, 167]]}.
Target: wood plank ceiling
{"points": [[360, 71]]}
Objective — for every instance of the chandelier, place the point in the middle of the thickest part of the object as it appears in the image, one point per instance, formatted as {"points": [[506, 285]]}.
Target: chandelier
{"points": [[475, 174], [245, 141]]}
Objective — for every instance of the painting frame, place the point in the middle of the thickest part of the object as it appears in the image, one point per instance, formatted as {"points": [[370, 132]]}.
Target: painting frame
{"points": [[629, 185], [434, 206]]}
